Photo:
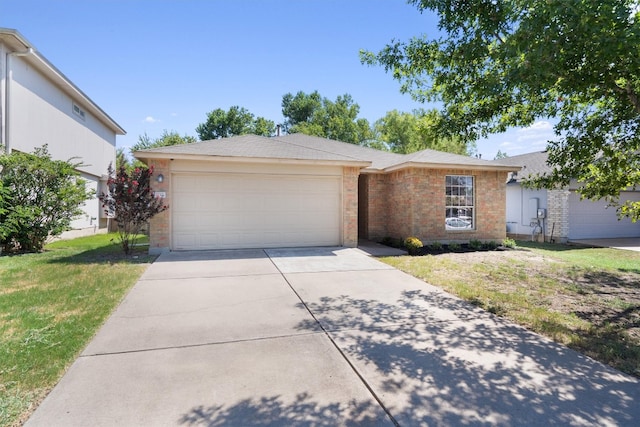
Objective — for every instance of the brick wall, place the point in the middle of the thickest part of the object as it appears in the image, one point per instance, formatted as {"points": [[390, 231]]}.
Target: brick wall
{"points": [[377, 206], [159, 226], [558, 214], [350, 206], [411, 202]]}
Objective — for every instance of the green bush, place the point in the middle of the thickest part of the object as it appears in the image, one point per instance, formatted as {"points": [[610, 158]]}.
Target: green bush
{"points": [[436, 246], [39, 197], [475, 244], [509, 243], [455, 247], [412, 244], [490, 245]]}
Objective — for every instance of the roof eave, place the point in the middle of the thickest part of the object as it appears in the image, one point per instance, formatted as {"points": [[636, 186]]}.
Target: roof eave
{"points": [[144, 156], [42, 64], [423, 165]]}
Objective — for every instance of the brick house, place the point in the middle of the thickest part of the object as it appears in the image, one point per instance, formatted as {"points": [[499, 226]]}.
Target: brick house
{"points": [[298, 190]]}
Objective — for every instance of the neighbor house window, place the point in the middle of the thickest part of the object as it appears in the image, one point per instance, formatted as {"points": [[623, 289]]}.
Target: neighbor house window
{"points": [[460, 203], [78, 111]]}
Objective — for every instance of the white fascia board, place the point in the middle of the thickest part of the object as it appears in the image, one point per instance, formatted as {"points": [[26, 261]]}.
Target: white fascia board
{"points": [[143, 156], [422, 165]]}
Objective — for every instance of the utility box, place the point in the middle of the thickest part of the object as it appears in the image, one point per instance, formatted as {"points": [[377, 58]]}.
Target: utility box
{"points": [[532, 212]]}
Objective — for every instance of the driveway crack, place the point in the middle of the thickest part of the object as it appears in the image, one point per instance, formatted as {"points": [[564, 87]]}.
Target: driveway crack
{"points": [[335, 344]]}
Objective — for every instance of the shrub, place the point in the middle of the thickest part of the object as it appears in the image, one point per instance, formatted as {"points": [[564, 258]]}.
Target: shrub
{"points": [[475, 244], [490, 245], [413, 244], [132, 202], [509, 243], [455, 247], [39, 197], [436, 246]]}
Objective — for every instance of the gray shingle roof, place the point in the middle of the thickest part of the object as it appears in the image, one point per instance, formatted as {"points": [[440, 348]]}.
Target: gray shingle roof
{"points": [[250, 146], [531, 163], [379, 159], [305, 147]]}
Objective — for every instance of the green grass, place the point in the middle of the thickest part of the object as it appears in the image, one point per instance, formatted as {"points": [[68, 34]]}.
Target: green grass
{"points": [[586, 298], [585, 257], [51, 305]]}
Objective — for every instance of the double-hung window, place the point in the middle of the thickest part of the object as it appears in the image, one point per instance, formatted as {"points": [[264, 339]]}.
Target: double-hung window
{"points": [[460, 203]]}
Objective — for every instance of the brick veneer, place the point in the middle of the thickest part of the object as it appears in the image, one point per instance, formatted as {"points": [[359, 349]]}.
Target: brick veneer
{"points": [[411, 202], [159, 226], [350, 206], [558, 214]]}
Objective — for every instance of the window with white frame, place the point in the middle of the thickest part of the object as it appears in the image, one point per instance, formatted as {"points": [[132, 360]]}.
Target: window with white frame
{"points": [[460, 203]]}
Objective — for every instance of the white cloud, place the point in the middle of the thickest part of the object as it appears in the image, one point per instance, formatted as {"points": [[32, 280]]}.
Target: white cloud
{"points": [[539, 126], [150, 119]]}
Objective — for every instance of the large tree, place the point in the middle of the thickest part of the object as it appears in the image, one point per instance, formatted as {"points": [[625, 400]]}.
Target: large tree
{"points": [[405, 133], [312, 114], [497, 64], [236, 121]]}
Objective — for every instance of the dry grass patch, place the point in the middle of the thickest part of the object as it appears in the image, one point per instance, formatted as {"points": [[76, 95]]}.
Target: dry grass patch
{"points": [[588, 299]]}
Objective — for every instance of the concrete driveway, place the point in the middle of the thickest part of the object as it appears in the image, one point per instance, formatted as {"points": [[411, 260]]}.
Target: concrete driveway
{"points": [[322, 336]]}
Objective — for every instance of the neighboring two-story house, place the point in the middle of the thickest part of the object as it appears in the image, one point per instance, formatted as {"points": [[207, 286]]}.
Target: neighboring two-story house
{"points": [[40, 105]]}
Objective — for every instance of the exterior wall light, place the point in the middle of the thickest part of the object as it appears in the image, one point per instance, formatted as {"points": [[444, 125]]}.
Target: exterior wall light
{"points": [[160, 178]]}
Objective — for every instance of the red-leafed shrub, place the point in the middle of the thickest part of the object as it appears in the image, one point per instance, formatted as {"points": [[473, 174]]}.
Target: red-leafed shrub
{"points": [[131, 202]]}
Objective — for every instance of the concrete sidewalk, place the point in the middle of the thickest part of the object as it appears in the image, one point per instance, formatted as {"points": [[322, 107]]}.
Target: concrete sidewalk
{"points": [[321, 336], [626, 243]]}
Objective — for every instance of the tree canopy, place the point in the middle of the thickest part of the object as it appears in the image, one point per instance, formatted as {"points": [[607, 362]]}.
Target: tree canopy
{"points": [[312, 114], [236, 121], [167, 138], [405, 133], [500, 64]]}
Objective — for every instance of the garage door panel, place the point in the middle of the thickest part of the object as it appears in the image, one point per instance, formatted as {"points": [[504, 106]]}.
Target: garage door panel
{"points": [[594, 220], [220, 211]]}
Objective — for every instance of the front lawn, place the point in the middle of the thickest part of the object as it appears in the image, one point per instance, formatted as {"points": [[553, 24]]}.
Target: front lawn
{"points": [[51, 305], [586, 298]]}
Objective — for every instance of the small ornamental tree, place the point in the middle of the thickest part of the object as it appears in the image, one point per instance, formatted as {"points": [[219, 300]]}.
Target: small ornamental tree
{"points": [[39, 197], [131, 201]]}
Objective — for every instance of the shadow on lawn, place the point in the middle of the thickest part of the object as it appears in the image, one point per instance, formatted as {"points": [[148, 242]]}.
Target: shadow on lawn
{"points": [[109, 254], [435, 360]]}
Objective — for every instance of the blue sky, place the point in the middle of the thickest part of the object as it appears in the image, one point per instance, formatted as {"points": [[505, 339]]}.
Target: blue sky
{"points": [[163, 64]]}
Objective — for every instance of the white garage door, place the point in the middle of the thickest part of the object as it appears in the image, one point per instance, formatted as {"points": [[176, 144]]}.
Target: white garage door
{"points": [[593, 220], [226, 211]]}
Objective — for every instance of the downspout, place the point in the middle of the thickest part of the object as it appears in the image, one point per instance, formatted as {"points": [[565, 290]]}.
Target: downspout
{"points": [[6, 135]]}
